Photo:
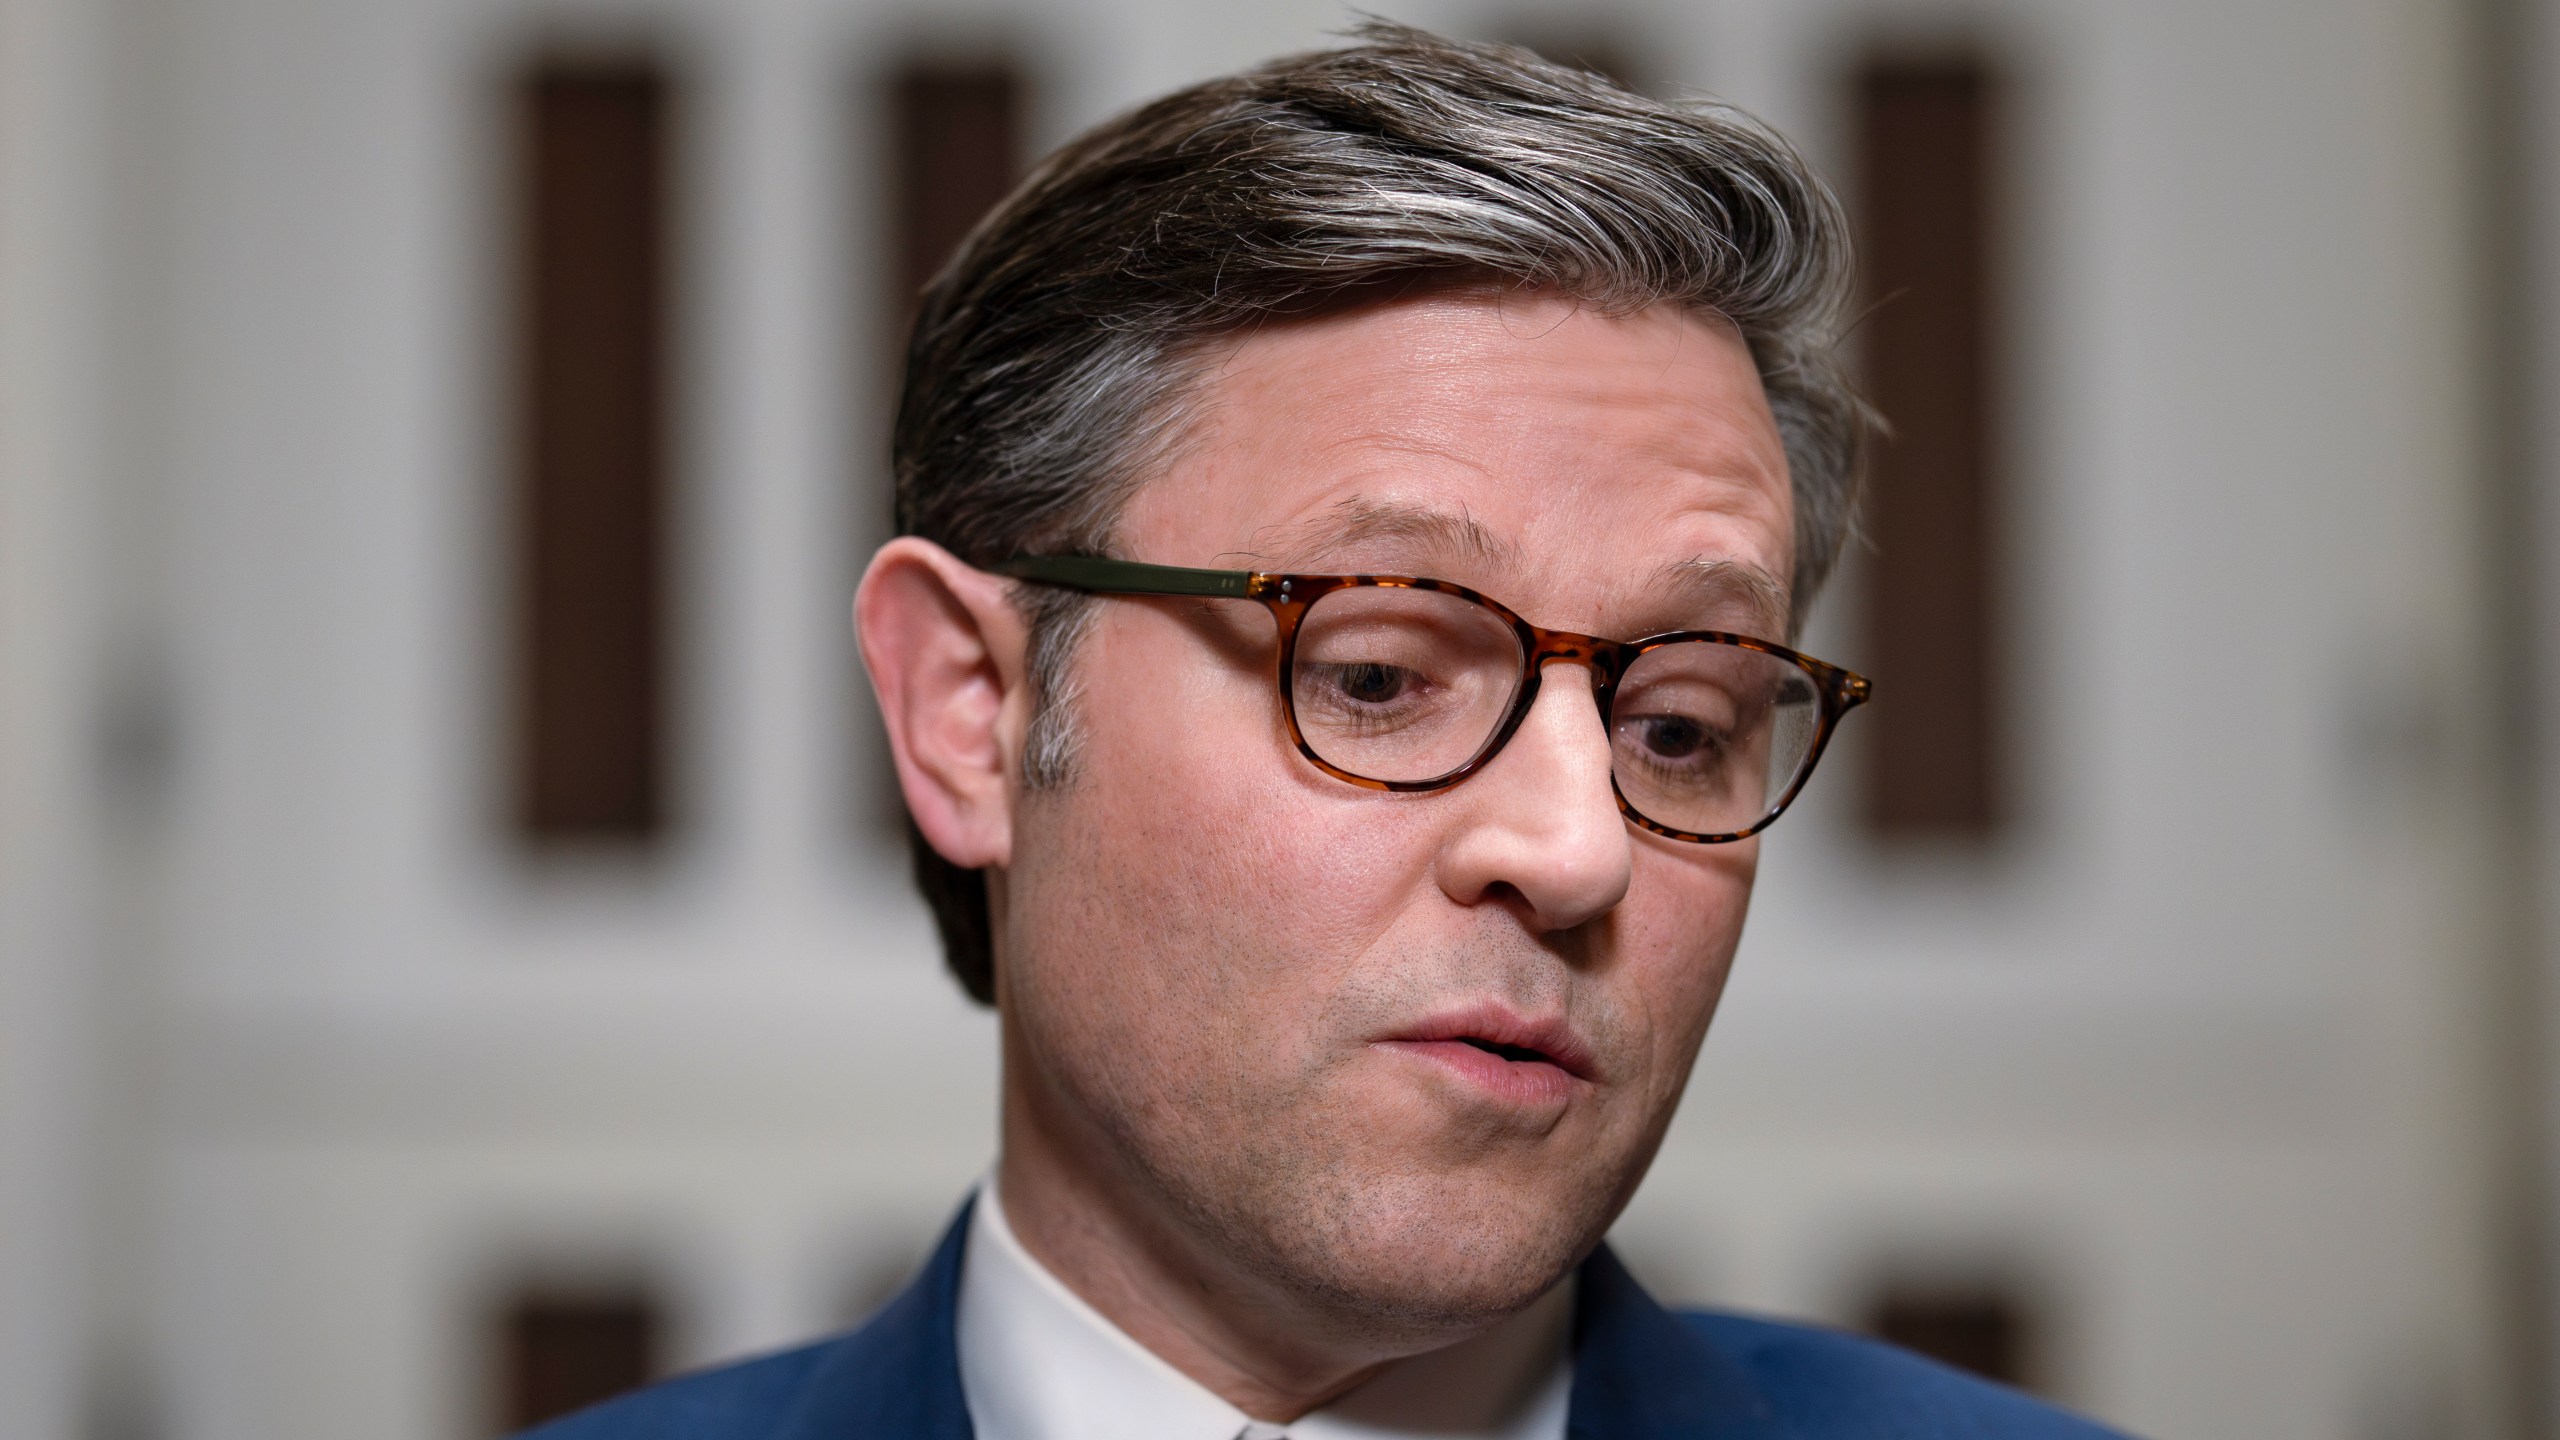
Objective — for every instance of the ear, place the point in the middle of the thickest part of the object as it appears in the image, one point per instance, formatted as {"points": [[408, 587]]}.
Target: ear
{"points": [[945, 648]]}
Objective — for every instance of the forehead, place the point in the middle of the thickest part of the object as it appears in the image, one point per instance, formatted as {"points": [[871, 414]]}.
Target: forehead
{"points": [[1594, 471]]}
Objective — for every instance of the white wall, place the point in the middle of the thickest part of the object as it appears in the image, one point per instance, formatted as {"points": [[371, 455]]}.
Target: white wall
{"points": [[49, 208], [2192, 1051]]}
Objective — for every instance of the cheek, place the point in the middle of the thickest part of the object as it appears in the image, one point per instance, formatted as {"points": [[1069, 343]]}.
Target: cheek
{"points": [[1198, 887], [1208, 803], [1677, 932]]}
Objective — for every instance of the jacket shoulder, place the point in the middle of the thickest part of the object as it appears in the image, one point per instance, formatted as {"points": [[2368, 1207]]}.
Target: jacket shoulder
{"points": [[745, 1401], [1832, 1386], [896, 1376]]}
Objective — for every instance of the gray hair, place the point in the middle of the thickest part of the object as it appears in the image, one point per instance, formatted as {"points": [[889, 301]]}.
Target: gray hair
{"points": [[1052, 356]]}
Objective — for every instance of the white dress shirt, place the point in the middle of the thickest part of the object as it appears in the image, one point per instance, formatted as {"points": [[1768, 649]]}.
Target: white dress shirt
{"points": [[1038, 1363]]}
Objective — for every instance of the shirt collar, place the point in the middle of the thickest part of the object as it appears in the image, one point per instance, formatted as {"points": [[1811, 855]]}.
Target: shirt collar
{"points": [[1038, 1363]]}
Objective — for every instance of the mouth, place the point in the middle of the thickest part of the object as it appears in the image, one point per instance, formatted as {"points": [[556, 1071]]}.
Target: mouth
{"points": [[1499, 1050], [1501, 1055]]}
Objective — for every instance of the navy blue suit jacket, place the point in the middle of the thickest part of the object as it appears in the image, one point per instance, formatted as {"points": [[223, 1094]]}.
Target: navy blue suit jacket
{"points": [[1640, 1373]]}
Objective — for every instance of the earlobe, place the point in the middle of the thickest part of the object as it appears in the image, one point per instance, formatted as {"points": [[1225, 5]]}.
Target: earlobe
{"points": [[944, 646]]}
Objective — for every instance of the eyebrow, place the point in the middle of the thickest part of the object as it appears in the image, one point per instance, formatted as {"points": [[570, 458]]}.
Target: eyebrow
{"points": [[1359, 520], [1699, 585], [1714, 583]]}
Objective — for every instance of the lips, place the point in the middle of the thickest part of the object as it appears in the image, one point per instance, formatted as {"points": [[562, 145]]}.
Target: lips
{"points": [[1506, 1056]]}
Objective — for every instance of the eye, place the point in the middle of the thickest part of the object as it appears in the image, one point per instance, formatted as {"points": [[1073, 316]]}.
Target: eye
{"points": [[1673, 737], [1371, 682]]}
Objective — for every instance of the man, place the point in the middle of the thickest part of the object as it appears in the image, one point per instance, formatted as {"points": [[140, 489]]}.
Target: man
{"points": [[1351, 513]]}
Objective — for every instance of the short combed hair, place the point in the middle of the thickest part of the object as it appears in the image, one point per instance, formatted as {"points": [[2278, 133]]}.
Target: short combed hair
{"points": [[1052, 355]]}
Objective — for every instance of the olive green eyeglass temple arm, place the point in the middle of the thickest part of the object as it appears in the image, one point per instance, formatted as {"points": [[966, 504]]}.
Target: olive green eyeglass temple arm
{"points": [[1127, 577]]}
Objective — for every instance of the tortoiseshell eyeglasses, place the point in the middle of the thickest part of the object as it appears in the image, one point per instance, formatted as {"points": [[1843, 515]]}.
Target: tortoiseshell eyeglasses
{"points": [[1395, 682]]}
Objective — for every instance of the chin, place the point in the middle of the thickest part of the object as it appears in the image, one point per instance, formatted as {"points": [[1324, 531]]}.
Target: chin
{"points": [[1416, 1258]]}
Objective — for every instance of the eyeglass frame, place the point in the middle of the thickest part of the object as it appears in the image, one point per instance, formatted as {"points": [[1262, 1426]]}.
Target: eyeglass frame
{"points": [[1289, 597]]}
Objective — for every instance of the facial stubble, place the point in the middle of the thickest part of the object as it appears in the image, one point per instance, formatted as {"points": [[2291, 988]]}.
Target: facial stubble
{"points": [[1381, 1199]]}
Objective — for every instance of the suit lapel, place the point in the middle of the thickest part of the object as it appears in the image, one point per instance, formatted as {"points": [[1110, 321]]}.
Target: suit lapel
{"points": [[1641, 1373], [897, 1378]]}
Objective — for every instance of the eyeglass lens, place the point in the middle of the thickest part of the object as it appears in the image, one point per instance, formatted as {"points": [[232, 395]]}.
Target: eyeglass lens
{"points": [[1407, 686]]}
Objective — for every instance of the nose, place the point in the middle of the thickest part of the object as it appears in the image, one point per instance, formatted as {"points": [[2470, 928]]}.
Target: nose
{"points": [[1541, 822]]}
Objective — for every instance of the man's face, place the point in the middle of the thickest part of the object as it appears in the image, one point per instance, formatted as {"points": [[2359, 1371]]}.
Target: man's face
{"points": [[1246, 988]]}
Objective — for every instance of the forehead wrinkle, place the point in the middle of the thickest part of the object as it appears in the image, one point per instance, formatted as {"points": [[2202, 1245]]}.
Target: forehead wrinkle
{"points": [[1708, 581], [1357, 520]]}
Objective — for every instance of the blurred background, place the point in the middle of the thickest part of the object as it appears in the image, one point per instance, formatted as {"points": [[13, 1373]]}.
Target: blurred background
{"points": [[456, 958]]}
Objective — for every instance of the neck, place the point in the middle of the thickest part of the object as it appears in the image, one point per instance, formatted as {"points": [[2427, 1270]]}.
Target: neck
{"points": [[1258, 1347]]}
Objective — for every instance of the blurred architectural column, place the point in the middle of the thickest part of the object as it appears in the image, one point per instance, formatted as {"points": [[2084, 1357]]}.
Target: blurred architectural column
{"points": [[2527, 45], [595, 212], [2513, 153], [49, 603], [1928, 209]]}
